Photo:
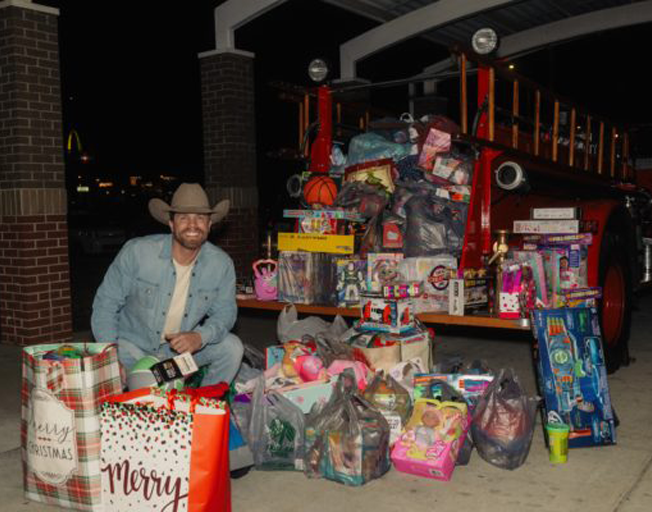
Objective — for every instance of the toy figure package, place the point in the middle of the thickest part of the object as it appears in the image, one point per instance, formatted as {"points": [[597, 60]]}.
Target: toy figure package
{"points": [[306, 277], [573, 375], [382, 269], [350, 277]]}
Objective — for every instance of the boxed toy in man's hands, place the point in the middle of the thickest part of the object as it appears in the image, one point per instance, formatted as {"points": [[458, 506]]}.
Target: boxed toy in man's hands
{"points": [[572, 374]]}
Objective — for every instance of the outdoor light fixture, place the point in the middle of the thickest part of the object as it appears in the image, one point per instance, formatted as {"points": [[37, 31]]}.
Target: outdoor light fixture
{"points": [[484, 41], [318, 70], [510, 176]]}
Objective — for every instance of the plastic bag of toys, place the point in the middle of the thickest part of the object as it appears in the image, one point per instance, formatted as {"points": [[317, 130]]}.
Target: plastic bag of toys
{"points": [[276, 431], [347, 439], [392, 400], [503, 422]]}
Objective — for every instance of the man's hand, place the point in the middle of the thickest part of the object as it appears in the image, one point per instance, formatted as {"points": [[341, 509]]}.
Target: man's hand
{"points": [[184, 342]]}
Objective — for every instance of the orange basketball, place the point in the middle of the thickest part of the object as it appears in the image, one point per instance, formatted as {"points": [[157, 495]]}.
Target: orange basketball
{"points": [[320, 189]]}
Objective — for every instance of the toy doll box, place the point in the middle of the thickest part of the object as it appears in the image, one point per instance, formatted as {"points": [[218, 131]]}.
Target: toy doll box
{"points": [[429, 447], [572, 374], [303, 395]]}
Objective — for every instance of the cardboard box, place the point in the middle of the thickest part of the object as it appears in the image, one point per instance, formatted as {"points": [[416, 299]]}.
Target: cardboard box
{"points": [[382, 268], [387, 315], [466, 295], [434, 272], [315, 242], [306, 278], [303, 395], [547, 226], [570, 212], [573, 375]]}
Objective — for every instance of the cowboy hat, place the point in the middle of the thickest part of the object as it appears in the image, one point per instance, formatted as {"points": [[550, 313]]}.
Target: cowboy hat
{"points": [[188, 198]]}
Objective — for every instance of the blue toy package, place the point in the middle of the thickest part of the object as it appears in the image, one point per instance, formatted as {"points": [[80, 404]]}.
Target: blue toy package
{"points": [[573, 375]]}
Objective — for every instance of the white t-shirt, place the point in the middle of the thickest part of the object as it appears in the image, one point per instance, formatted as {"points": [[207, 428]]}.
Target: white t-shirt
{"points": [[178, 301]]}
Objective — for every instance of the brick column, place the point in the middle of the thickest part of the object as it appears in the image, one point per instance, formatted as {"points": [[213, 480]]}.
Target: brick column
{"points": [[34, 267], [230, 150]]}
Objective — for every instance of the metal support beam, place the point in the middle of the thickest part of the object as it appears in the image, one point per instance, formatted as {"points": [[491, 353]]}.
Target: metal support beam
{"points": [[570, 28], [407, 26], [233, 14], [531, 40]]}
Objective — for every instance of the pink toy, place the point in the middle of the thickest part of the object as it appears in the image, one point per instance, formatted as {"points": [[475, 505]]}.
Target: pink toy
{"points": [[360, 369], [309, 368], [266, 279], [432, 439]]}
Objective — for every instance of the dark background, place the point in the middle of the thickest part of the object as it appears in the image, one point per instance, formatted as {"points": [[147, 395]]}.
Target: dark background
{"points": [[131, 89]]}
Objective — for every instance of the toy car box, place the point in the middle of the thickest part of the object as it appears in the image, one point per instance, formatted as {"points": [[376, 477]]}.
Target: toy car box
{"points": [[572, 374]]}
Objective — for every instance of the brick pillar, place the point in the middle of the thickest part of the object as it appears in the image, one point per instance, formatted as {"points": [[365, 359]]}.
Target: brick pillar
{"points": [[230, 150], [34, 267]]}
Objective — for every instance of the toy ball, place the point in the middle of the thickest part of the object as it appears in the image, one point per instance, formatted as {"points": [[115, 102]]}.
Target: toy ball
{"points": [[309, 368], [320, 190], [141, 376]]}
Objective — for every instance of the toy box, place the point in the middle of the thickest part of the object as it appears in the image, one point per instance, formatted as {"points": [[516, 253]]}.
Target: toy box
{"points": [[303, 395], [434, 272], [326, 222], [385, 350], [431, 441], [572, 374], [388, 315], [470, 386], [351, 281], [382, 269], [316, 242], [305, 277], [466, 295]]}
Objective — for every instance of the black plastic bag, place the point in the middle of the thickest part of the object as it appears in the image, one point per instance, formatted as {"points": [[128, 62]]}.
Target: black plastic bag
{"points": [[503, 422]]}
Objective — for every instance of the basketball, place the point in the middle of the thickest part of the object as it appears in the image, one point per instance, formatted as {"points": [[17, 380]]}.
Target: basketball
{"points": [[320, 190]]}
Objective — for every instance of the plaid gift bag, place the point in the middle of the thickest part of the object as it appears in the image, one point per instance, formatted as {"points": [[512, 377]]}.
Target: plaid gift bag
{"points": [[60, 427]]}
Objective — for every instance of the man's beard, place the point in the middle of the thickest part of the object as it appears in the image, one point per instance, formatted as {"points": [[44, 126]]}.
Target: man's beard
{"points": [[192, 243]]}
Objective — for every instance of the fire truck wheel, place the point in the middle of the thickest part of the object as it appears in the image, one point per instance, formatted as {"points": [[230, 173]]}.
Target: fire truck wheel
{"points": [[616, 303]]}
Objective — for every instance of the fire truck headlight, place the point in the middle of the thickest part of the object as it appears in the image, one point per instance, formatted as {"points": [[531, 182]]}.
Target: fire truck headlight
{"points": [[318, 70], [510, 176], [484, 41]]}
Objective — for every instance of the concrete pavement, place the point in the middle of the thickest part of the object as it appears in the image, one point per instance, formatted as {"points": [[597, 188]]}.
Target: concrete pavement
{"points": [[609, 479]]}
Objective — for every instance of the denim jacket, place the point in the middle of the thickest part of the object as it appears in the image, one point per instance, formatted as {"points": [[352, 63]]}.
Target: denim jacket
{"points": [[133, 300]]}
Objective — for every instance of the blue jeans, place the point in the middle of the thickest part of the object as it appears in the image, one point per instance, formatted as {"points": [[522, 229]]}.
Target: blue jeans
{"points": [[222, 359]]}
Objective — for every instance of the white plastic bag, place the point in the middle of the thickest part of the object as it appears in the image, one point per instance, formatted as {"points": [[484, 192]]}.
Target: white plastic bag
{"points": [[289, 327]]}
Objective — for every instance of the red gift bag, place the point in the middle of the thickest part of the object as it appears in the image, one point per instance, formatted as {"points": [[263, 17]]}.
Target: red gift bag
{"points": [[165, 452]]}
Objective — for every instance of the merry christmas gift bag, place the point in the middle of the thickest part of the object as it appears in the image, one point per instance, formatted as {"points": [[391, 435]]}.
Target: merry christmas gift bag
{"points": [[165, 452], [63, 388]]}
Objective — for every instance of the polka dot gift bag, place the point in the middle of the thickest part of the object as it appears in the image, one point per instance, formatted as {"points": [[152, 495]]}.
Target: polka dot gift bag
{"points": [[165, 452]]}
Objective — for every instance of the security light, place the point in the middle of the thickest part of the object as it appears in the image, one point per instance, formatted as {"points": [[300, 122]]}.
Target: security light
{"points": [[318, 70], [484, 41]]}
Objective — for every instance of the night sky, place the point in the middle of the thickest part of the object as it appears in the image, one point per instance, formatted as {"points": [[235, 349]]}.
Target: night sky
{"points": [[130, 76]]}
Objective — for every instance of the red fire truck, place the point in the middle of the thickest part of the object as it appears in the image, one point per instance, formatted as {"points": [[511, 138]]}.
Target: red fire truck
{"points": [[536, 149]]}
